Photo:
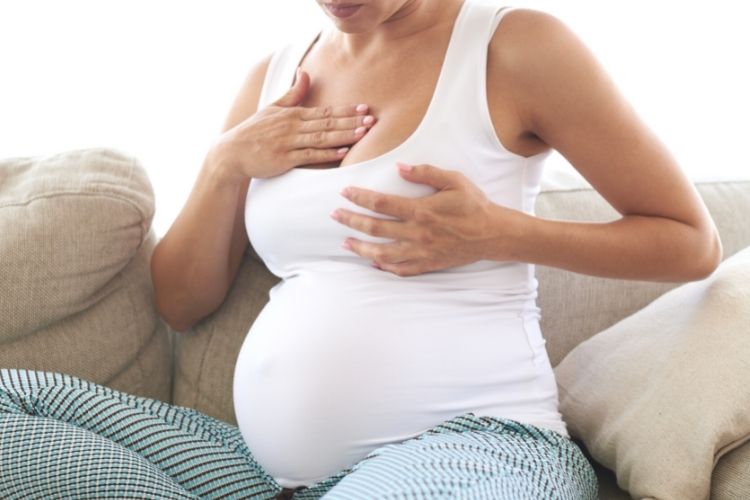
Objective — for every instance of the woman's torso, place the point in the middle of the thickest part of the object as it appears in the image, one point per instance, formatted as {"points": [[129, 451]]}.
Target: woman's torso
{"points": [[345, 358]]}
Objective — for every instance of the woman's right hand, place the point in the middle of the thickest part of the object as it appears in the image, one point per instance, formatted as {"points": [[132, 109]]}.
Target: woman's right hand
{"points": [[285, 135]]}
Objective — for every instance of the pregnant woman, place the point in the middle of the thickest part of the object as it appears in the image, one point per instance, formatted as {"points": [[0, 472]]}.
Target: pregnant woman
{"points": [[387, 171]]}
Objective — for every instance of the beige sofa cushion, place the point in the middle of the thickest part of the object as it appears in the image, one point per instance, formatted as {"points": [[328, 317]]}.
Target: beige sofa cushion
{"points": [[662, 395], [74, 271], [576, 306], [730, 480]]}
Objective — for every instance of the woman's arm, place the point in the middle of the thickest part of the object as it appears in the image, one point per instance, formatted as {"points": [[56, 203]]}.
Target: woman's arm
{"points": [[193, 266], [196, 262], [564, 98], [545, 89]]}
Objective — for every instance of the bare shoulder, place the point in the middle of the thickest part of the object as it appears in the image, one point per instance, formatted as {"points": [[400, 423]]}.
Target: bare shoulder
{"points": [[529, 39], [246, 102], [546, 68]]}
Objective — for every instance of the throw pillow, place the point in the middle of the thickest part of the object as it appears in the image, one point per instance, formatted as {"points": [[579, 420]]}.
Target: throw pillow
{"points": [[660, 396]]}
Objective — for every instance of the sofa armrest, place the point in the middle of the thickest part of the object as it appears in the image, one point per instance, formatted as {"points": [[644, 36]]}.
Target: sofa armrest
{"points": [[75, 287]]}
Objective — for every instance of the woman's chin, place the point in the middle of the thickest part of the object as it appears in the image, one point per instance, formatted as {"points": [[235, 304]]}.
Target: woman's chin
{"points": [[350, 26]]}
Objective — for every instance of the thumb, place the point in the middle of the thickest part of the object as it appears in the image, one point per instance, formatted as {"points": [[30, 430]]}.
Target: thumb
{"points": [[427, 174], [297, 93]]}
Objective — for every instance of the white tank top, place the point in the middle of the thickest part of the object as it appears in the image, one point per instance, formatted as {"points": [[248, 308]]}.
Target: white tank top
{"points": [[345, 358]]}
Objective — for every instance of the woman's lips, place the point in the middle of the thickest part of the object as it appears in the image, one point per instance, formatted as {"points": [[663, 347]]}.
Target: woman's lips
{"points": [[343, 10]]}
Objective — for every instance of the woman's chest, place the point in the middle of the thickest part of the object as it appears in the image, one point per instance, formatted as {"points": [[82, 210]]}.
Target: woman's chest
{"points": [[398, 92]]}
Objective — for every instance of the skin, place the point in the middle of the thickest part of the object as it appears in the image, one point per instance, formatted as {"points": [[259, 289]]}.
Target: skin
{"points": [[545, 90]]}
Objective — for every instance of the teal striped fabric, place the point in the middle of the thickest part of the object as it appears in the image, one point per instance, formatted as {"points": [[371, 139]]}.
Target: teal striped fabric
{"points": [[65, 437]]}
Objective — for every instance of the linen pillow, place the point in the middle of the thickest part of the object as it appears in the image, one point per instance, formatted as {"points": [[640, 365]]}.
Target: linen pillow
{"points": [[660, 396], [75, 283]]}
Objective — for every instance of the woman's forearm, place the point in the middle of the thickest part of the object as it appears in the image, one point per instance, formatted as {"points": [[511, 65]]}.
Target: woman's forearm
{"points": [[190, 266], [633, 247]]}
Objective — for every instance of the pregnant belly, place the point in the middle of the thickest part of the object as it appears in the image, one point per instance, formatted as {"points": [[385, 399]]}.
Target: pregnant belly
{"points": [[329, 372]]}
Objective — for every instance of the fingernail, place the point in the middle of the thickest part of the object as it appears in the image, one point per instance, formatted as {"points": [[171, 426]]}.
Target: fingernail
{"points": [[345, 192], [346, 245], [360, 131], [368, 120], [404, 167], [361, 108], [335, 215], [342, 151]]}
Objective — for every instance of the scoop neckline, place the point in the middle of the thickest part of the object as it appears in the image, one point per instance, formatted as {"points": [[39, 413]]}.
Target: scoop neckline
{"points": [[425, 118]]}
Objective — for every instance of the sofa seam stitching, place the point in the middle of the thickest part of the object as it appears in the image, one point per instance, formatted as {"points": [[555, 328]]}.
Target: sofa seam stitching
{"points": [[697, 184]]}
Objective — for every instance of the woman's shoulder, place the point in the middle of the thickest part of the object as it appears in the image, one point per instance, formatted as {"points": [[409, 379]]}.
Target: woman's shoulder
{"points": [[529, 41], [540, 68], [281, 60], [246, 101], [541, 57]]}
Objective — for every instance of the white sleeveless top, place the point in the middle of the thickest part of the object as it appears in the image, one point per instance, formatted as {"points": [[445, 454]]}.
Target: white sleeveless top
{"points": [[345, 358]]}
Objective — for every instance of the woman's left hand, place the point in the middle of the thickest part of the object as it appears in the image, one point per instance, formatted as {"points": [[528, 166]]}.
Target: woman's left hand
{"points": [[452, 227]]}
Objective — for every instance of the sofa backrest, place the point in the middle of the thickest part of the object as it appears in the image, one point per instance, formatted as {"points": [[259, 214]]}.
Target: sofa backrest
{"points": [[576, 306]]}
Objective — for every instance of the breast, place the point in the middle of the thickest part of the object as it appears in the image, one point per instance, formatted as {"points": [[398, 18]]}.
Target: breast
{"points": [[395, 124], [288, 217]]}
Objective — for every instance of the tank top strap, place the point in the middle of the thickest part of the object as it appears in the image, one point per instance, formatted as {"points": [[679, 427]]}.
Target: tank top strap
{"points": [[463, 93], [282, 68]]}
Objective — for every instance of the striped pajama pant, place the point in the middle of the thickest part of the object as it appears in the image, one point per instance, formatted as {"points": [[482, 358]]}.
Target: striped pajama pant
{"points": [[65, 437]]}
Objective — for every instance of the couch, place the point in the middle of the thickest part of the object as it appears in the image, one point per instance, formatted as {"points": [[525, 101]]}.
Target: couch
{"points": [[76, 295]]}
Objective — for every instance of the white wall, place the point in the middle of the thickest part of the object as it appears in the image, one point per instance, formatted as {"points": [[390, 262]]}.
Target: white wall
{"points": [[156, 78]]}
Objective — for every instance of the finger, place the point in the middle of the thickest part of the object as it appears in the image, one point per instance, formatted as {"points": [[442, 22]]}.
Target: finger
{"points": [[404, 269], [326, 124], [328, 139], [388, 204], [322, 112], [374, 226], [427, 174], [296, 94], [391, 253], [308, 156]]}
